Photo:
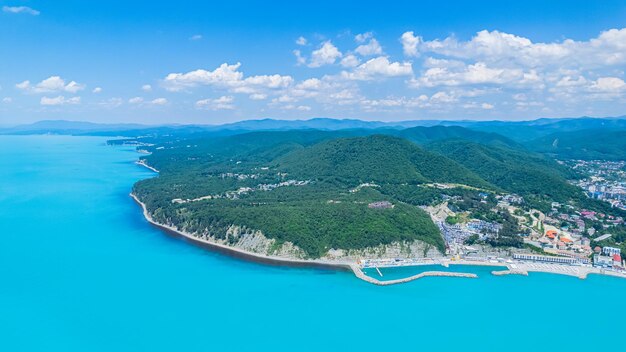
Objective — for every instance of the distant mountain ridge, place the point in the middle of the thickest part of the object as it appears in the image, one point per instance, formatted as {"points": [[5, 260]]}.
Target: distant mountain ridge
{"points": [[578, 136], [544, 125]]}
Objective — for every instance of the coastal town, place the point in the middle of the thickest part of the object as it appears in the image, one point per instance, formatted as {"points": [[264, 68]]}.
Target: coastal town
{"points": [[564, 236], [606, 181]]}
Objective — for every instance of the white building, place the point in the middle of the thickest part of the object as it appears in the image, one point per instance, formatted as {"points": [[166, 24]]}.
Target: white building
{"points": [[610, 251]]}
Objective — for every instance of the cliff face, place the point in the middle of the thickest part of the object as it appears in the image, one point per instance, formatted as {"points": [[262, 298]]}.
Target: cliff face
{"points": [[414, 249], [254, 241]]}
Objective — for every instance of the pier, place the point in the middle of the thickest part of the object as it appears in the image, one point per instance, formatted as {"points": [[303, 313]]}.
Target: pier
{"points": [[509, 272], [359, 273]]}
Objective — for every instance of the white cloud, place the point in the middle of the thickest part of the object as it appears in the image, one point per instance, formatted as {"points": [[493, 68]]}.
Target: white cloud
{"points": [[222, 103], [146, 88], [567, 75], [111, 103], [20, 9], [301, 41], [296, 107], [269, 81], [379, 67], [60, 100], [350, 61], [50, 85], [195, 37], [409, 43], [439, 101], [73, 87], [311, 83], [508, 49], [327, 54], [478, 73], [227, 77], [443, 97], [159, 101], [97, 90], [609, 84], [7, 100], [300, 60], [569, 81], [224, 75], [284, 99], [23, 85], [362, 37], [370, 49], [135, 100]]}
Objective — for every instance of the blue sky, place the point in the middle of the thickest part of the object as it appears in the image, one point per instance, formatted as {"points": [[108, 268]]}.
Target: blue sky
{"points": [[200, 62]]}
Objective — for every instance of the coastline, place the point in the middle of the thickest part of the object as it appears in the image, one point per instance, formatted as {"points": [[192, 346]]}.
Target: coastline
{"points": [[140, 162], [515, 268], [240, 253], [280, 261]]}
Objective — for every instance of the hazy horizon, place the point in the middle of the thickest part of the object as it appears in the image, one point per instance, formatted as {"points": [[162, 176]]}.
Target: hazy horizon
{"points": [[304, 120]]}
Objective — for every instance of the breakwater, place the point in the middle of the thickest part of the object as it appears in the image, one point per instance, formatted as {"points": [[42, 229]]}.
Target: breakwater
{"points": [[361, 275]]}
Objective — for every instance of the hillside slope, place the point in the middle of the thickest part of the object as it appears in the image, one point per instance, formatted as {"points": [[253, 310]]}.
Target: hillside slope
{"points": [[378, 158], [586, 144], [517, 171]]}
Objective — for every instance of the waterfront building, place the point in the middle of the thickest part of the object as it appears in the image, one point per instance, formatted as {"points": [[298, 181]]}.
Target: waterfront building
{"points": [[550, 259], [610, 251], [603, 261]]}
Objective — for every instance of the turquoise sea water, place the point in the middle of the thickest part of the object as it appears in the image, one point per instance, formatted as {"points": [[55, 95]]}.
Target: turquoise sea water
{"points": [[81, 270]]}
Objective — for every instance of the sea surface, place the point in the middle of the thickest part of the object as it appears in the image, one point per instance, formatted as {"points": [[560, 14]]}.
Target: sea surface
{"points": [[81, 270]]}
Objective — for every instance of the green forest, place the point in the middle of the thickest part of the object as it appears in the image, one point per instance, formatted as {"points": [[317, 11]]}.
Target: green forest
{"points": [[303, 186]]}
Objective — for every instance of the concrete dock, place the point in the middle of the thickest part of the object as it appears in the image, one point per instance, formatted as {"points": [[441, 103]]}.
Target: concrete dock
{"points": [[359, 273]]}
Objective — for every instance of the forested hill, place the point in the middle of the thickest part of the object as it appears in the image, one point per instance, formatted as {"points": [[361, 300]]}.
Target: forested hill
{"points": [[313, 188], [518, 171], [266, 145], [591, 144], [379, 159], [422, 135]]}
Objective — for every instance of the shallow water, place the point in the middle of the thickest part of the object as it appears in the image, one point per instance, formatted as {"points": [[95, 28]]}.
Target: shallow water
{"points": [[81, 270]]}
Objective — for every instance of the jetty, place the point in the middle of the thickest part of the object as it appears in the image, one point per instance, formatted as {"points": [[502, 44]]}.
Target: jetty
{"points": [[509, 272], [361, 275]]}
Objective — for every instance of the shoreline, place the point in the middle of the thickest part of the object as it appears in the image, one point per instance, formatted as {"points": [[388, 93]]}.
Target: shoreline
{"points": [[515, 268], [240, 253], [144, 164]]}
